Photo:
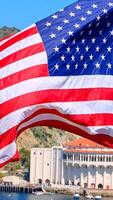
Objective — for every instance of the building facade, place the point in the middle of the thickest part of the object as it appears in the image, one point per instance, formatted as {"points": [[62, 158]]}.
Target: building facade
{"points": [[46, 165], [80, 162]]}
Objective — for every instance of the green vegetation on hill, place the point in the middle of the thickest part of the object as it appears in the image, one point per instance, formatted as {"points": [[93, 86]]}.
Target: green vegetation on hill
{"points": [[5, 31]]}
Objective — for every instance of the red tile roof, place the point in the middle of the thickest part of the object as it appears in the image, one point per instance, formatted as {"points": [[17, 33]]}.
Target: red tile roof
{"points": [[82, 142], [87, 151]]}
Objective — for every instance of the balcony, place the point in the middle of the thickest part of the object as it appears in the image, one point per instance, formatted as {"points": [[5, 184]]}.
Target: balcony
{"points": [[95, 163]]}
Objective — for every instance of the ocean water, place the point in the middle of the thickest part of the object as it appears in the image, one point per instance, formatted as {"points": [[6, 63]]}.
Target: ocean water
{"points": [[23, 196]]}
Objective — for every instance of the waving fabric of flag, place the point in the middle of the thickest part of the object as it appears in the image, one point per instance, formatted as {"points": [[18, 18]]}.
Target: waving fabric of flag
{"points": [[59, 72]]}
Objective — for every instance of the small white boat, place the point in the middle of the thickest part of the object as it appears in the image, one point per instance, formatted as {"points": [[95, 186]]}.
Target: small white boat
{"points": [[89, 197], [38, 193], [41, 193], [98, 197], [76, 197]]}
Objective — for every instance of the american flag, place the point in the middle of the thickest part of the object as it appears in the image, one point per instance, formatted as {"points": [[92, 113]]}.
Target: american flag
{"points": [[58, 72]]}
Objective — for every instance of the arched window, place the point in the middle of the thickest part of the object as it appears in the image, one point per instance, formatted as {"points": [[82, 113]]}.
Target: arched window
{"points": [[100, 186]]}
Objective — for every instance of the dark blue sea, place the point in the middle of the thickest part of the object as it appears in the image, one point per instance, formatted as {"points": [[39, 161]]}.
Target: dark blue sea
{"points": [[23, 196]]}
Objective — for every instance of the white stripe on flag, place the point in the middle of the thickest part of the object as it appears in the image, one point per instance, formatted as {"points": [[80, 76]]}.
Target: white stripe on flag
{"points": [[37, 59], [7, 152], [46, 83], [27, 42], [48, 116], [15, 117], [90, 129], [86, 107], [107, 130], [5, 40]]}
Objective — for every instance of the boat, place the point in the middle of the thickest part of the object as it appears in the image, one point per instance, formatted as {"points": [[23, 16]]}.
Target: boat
{"points": [[38, 193], [98, 197], [41, 193], [76, 197], [89, 197]]}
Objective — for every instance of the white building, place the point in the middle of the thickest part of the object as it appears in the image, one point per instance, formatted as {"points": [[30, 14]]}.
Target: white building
{"points": [[46, 164], [80, 162]]}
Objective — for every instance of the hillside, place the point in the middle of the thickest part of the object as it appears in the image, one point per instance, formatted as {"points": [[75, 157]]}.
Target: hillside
{"points": [[5, 31], [43, 137], [37, 136]]}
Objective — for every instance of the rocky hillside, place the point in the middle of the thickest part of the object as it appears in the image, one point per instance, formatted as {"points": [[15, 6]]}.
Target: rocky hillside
{"points": [[37, 136], [43, 137], [5, 31]]}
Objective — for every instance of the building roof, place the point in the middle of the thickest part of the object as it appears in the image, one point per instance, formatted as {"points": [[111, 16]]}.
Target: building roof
{"points": [[88, 151], [82, 143]]}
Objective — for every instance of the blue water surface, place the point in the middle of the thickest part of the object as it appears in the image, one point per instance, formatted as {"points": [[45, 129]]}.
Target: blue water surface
{"points": [[25, 196]]}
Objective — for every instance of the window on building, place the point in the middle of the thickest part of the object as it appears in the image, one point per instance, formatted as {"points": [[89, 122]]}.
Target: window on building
{"points": [[107, 158], [100, 158], [100, 186], [81, 157], [64, 156], [103, 158], [76, 157], [89, 157], [86, 157], [70, 157]]}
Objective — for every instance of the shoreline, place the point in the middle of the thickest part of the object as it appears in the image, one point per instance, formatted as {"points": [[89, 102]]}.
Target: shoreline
{"points": [[66, 190], [71, 191]]}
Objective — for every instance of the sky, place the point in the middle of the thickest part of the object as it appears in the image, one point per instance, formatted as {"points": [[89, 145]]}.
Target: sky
{"points": [[22, 13]]}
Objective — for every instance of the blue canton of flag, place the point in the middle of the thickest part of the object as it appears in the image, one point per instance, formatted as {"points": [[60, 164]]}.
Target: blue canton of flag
{"points": [[79, 39]]}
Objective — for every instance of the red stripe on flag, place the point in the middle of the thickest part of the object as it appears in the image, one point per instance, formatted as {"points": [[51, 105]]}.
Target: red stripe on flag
{"points": [[18, 37], [55, 95], [16, 157], [23, 53], [103, 139], [10, 135], [26, 74]]}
